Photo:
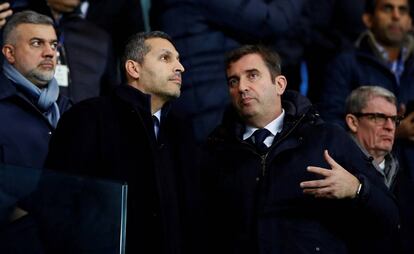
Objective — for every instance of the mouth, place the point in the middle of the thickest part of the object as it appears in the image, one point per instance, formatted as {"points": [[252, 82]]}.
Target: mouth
{"points": [[246, 100], [387, 138], [47, 65], [176, 80]]}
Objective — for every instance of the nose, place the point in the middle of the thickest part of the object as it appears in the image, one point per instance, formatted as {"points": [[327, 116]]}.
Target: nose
{"points": [[389, 124], [243, 85], [179, 67], [49, 50], [396, 14]]}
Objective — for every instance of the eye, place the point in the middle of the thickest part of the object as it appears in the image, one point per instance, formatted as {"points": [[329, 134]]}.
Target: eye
{"points": [[54, 45], [233, 82], [253, 76], [403, 10], [387, 8], [165, 58], [35, 43]]}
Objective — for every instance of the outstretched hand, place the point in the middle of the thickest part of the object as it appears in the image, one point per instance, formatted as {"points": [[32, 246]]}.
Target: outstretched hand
{"points": [[337, 182]]}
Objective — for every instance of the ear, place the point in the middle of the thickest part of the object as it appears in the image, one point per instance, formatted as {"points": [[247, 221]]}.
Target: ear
{"points": [[132, 69], [8, 52], [367, 19], [352, 122], [281, 83]]}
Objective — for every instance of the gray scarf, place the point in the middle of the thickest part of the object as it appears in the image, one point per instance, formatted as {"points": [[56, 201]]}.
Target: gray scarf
{"points": [[45, 98]]}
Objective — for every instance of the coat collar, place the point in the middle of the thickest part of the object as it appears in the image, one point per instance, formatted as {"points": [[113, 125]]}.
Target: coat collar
{"points": [[138, 100], [7, 89], [296, 106]]}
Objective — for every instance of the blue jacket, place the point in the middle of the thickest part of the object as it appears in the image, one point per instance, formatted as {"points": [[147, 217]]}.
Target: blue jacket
{"points": [[203, 31], [255, 203], [358, 67], [24, 131]]}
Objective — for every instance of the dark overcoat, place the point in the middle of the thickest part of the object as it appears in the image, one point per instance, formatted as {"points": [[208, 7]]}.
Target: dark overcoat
{"points": [[255, 203], [113, 138]]}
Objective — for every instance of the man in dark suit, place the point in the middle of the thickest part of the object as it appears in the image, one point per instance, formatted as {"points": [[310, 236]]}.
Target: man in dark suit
{"points": [[270, 193], [130, 136]]}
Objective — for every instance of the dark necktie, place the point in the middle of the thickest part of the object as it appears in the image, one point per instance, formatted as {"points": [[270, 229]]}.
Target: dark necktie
{"points": [[259, 137], [156, 123]]}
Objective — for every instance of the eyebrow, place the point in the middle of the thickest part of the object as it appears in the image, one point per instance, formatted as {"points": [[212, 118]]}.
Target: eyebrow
{"points": [[42, 39], [245, 71], [167, 51]]}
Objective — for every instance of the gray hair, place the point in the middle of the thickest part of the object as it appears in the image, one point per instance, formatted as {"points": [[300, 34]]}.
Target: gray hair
{"points": [[136, 48], [359, 97], [24, 17]]}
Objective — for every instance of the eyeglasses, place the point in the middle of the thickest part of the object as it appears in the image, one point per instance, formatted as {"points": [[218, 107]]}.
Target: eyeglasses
{"points": [[379, 118]]}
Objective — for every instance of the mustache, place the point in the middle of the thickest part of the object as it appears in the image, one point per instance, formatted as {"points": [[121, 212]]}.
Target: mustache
{"points": [[47, 61]]}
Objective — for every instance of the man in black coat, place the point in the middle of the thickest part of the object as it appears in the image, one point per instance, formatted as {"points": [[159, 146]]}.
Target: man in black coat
{"points": [[268, 193], [372, 119], [129, 136]]}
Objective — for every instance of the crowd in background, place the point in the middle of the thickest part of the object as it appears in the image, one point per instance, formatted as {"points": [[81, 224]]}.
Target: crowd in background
{"points": [[347, 67]]}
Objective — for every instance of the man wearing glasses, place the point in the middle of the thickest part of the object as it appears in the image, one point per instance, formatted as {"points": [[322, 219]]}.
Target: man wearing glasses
{"points": [[371, 116]]}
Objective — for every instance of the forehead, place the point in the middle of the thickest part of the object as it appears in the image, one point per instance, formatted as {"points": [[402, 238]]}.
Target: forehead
{"points": [[28, 31], [247, 62], [380, 105], [160, 45], [380, 3]]}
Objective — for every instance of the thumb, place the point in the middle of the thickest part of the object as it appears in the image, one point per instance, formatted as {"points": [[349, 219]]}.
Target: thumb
{"points": [[330, 160]]}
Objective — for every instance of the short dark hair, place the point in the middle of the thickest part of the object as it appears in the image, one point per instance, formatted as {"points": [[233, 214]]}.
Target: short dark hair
{"points": [[136, 48], [269, 56], [24, 17], [370, 6]]}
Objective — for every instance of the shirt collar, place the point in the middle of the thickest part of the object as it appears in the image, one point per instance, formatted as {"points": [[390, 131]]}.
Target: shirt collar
{"points": [[158, 115], [274, 126]]}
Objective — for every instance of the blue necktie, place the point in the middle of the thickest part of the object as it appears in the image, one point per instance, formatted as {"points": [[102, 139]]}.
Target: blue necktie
{"points": [[259, 137]]}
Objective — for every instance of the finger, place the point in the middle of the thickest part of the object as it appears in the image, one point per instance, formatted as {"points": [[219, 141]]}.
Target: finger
{"points": [[4, 6], [319, 192], [313, 184], [320, 171], [5, 14], [330, 160]]}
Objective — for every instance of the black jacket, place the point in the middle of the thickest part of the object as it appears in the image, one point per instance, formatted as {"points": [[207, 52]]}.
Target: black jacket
{"points": [[256, 205], [112, 137]]}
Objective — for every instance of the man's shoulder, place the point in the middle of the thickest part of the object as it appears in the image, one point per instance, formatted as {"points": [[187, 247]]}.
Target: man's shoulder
{"points": [[323, 131], [88, 108]]}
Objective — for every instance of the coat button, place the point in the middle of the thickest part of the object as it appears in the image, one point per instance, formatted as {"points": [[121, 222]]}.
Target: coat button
{"points": [[50, 133], [257, 179], [317, 249]]}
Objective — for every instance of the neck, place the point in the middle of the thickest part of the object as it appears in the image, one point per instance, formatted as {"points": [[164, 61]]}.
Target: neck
{"points": [[378, 157], [156, 104], [393, 52]]}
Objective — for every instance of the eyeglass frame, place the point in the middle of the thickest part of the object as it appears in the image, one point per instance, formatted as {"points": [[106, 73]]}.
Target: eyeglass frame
{"points": [[396, 119]]}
